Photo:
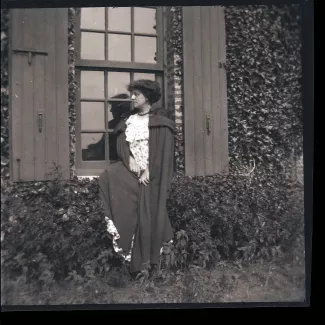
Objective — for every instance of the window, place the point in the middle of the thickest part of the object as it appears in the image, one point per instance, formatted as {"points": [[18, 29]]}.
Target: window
{"points": [[115, 45]]}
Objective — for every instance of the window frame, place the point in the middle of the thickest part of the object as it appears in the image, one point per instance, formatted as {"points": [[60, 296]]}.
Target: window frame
{"points": [[94, 168]]}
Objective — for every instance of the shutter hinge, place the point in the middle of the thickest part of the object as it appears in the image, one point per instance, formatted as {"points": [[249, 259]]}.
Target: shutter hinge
{"points": [[222, 65], [30, 53]]}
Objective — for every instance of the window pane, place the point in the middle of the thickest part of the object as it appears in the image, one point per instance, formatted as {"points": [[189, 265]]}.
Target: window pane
{"points": [[119, 19], [145, 49], [117, 83], [92, 116], [92, 84], [93, 18], [150, 76], [145, 20], [119, 47], [92, 46], [93, 146], [115, 112]]}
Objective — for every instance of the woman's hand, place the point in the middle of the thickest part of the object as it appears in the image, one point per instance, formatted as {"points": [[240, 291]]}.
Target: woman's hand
{"points": [[144, 179], [134, 167]]}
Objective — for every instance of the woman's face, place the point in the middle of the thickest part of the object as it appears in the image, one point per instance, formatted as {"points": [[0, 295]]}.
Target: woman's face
{"points": [[138, 99]]}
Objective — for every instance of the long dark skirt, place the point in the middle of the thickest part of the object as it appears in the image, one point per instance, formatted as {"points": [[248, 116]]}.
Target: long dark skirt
{"points": [[123, 209], [123, 189]]}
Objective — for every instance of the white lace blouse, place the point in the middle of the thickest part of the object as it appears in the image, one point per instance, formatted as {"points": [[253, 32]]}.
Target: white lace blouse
{"points": [[137, 134]]}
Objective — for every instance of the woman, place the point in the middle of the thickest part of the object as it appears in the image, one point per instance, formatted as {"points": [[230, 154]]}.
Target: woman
{"points": [[135, 189]]}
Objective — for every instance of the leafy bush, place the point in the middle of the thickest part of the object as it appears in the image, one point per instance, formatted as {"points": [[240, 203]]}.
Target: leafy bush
{"points": [[55, 230], [227, 218]]}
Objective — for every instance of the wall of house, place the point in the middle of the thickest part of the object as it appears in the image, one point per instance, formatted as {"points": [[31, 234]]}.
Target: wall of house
{"points": [[264, 91], [174, 98]]}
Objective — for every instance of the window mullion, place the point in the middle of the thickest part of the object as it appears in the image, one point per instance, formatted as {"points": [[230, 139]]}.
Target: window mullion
{"points": [[106, 34], [132, 34], [160, 35]]}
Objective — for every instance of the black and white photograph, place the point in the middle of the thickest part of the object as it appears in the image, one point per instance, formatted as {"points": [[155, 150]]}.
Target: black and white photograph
{"points": [[155, 155]]}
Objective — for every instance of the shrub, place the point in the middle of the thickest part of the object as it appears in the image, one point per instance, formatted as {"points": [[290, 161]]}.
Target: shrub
{"points": [[56, 230], [227, 218], [52, 230]]}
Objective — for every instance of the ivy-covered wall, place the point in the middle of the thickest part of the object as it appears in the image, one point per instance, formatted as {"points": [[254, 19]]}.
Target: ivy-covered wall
{"points": [[264, 92], [4, 96], [174, 50], [72, 89], [264, 89]]}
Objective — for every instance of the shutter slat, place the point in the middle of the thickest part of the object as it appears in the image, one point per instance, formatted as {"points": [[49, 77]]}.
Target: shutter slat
{"points": [[28, 163], [16, 115], [189, 118], [39, 102], [50, 95], [17, 20], [207, 88], [223, 94], [199, 132], [62, 96], [17, 100], [214, 16], [39, 94], [38, 30]]}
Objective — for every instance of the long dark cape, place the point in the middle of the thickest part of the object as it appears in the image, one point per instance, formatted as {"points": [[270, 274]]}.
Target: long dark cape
{"points": [[135, 208]]}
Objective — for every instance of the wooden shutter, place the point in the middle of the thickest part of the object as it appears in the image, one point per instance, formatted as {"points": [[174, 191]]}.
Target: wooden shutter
{"points": [[39, 93], [205, 91]]}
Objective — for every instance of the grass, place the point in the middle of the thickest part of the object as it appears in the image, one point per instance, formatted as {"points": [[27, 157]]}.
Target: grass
{"points": [[227, 282]]}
